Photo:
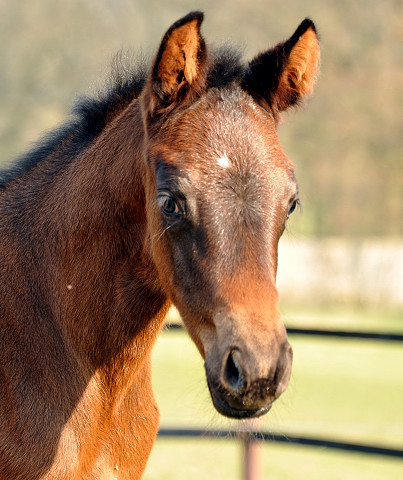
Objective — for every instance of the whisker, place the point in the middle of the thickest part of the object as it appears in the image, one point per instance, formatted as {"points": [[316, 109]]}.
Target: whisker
{"points": [[159, 234]]}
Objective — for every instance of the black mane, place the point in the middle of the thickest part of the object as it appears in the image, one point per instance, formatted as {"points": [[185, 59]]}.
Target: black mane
{"points": [[90, 115]]}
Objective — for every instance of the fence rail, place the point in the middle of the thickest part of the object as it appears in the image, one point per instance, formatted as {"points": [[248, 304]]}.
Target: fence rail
{"points": [[257, 435], [318, 332], [392, 337]]}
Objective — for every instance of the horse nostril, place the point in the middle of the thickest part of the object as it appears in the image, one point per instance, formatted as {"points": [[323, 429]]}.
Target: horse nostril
{"points": [[233, 376]]}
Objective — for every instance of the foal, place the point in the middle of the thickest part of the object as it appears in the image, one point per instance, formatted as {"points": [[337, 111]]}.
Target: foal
{"points": [[171, 189]]}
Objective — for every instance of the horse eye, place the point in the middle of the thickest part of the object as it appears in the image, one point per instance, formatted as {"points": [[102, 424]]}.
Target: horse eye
{"points": [[292, 207], [168, 205]]}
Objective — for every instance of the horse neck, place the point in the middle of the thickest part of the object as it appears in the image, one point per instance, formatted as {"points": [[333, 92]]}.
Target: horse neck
{"points": [[112, 303]]}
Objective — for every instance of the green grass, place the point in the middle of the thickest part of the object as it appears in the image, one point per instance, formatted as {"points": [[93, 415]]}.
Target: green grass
{"points": [[221, 459], [343, 389]]}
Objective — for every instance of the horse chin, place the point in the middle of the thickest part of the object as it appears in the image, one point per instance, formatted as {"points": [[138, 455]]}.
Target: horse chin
{"points": [[227, 410]]}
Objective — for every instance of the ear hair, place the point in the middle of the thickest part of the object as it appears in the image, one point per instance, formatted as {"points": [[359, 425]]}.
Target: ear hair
{"points": [[179, 65], [282, 76]]}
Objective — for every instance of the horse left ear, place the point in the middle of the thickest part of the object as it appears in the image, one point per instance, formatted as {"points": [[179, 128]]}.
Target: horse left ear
{"points": [[178, 67], [282, 76]]}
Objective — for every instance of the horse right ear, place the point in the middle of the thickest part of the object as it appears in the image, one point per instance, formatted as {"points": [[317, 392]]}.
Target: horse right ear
{"points": [[178, 68], [283, 76]]}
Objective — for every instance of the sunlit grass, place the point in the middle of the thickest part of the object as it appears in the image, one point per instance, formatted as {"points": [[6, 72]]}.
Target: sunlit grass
{"points": [[202, 459]]}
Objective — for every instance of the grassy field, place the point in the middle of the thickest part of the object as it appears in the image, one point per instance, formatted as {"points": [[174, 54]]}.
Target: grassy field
{"points": [[343, 389]]}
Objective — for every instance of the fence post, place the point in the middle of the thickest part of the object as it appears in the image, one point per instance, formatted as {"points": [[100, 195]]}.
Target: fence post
{"points": [[252, 450]]}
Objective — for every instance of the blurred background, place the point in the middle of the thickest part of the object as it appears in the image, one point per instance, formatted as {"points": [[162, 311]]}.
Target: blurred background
{"points": [[341, 258]]}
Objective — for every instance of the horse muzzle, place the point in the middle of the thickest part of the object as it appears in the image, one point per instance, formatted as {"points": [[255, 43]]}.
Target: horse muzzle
{"points": [[244, 385]]}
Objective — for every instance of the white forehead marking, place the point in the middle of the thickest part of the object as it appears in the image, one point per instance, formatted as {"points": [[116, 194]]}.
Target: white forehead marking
{"points": [[223, 161]]}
